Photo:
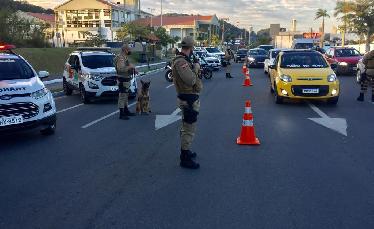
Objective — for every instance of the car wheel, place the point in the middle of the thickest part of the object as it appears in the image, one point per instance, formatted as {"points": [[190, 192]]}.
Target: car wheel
{"points": [[84, 96], [333, 101], [278, 99], [169, 76], [51, 129], [358, 76], [67, 90]]}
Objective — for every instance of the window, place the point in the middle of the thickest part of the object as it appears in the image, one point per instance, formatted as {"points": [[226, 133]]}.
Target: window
{"points": [[303, 60], [15, 69], [107, 13], [98, 61]]}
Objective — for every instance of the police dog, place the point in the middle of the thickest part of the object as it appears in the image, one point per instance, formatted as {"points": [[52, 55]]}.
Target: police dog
{"points": [[143, 105]]}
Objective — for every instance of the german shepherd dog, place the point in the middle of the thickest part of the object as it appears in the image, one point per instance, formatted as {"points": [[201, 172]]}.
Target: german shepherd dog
{"points": [[143, 105]]}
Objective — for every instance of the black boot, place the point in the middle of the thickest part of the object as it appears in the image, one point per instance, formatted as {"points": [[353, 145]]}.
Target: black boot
{"points": [[372, 99], [128, 113], [122, 114], [186, 160], [191, 154], [230, 76], [227, 75], [361, 97]]}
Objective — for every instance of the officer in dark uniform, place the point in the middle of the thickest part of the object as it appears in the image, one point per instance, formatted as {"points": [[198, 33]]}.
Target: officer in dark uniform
{"points": [[188, 86], [367, 77]]}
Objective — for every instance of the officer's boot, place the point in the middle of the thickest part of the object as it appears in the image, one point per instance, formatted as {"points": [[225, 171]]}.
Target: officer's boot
{"points": [[230, 76], [122, 114], [361, 97], [372, 99], [128, 113], [227, 75], [186, 160], [191, 154]]}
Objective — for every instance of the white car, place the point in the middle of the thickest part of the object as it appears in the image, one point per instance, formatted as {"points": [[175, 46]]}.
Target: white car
{"points": [[215, 51], [273, 53], [211, 60], [92, 72], [25, 102]]}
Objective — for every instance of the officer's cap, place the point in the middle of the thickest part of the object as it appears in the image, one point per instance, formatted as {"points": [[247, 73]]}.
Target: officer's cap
{"points": [[187, 42]]}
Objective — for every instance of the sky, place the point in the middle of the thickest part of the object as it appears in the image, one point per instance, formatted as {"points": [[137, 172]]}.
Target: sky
{"points": [[243, 13]]}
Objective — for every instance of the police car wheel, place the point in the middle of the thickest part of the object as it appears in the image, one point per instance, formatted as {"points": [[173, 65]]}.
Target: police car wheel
{"points": [[49, 130], [67, 91], [84, 96]]}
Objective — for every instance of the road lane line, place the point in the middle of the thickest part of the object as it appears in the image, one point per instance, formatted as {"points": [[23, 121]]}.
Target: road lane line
{"points": [[103, 118], [169, 86], [318, 111], [69, 108]]}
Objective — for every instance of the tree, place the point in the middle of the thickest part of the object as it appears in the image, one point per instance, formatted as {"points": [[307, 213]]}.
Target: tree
{"points": [[343, 11], [174, 40], [215, 40], [164, 37], [93, 40], [322, 13], [134, 32]]}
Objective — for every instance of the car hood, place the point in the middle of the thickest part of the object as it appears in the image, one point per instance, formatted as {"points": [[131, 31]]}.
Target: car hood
{"points": [[106, 70], [349, 60], [11, 87], [307, 72], [210, 58]]}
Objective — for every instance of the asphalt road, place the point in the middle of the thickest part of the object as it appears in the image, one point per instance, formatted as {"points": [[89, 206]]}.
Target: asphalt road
{"points": [[100, 172]]}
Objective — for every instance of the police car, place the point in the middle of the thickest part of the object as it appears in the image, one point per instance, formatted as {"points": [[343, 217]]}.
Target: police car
{"points": [[24, 100], [91, 71]]}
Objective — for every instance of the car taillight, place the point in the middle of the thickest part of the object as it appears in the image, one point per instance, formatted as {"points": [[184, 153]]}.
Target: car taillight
{"points": [[7, 47]]}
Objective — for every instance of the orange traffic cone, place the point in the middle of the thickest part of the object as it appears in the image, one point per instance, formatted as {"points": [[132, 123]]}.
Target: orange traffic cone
{"points": [[244, 69], [247, 81], [248, 135]]}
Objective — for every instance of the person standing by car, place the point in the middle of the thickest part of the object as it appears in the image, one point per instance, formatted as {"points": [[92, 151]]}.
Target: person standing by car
{"points": [[125, 70], [229, 55], [367, 77], [188, 86]]}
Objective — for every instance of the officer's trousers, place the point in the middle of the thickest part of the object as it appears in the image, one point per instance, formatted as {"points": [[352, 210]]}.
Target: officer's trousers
{"points": [[365, 83], [228, 67], [188, 130], [123, 97]]}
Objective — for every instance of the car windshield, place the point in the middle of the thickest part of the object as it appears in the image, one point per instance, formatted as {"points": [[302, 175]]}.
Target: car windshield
{"points": [[346, 52], [256, 52], [242, 51], [303, 45], [212, 50], [14, 69], [303, 60], [98, 61]]}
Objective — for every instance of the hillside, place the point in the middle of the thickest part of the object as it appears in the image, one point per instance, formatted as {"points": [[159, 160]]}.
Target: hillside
{"points": [[23, 6]]}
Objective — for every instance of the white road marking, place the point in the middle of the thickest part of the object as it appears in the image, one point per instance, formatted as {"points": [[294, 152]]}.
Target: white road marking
{"points": [[169, 86], [336, 124], [103, 118], [70, 108], [165, 120]]}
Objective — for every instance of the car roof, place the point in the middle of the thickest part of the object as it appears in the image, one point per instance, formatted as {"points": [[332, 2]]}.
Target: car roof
{"points": [[299, 51], [257, 49], [92, 53]]}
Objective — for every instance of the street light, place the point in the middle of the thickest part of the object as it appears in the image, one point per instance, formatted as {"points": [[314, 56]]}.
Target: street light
{"points": [[151, 10]]}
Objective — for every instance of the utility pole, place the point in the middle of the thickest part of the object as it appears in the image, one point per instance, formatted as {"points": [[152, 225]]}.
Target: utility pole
{"points": [[249, 37], [345, 24], [223, 29], [151, 10], [161, 15]]}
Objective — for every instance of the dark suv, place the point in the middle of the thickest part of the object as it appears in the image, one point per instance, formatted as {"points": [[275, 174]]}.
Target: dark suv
{"points": [[240, 55]]}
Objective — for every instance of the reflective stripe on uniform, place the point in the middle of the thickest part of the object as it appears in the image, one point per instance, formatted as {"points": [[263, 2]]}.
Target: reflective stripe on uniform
{"points": [[247, 122]]}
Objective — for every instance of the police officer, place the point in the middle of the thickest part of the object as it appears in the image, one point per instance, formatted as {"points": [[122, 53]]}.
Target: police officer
{"points": [[229, 55], [188, 86], [367, 77], [125, 70]]}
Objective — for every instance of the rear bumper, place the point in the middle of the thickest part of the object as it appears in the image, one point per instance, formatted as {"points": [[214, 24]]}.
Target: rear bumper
{"points": [[44, 122]]}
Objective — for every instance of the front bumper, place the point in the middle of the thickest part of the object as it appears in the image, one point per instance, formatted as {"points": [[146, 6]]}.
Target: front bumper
{"points": [[296, 91], [349, 69], [44, 122], [109, 91]]}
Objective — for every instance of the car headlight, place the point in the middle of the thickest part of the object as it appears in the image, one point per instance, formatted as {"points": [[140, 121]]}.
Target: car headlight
{"points": [[286, 78], [251, 59], [343, 63], [40, 93], [92, 76], [332, 78]]}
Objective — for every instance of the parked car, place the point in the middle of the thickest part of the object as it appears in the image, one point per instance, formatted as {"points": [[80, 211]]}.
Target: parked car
{"points": [[91, 71], [256, 57], [240, 55], [303, 74], [215, 51], [25, 102], [345, 58]]}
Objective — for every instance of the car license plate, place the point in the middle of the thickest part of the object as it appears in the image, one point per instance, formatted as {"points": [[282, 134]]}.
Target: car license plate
{"points": [[311, 91], [7, 121], [114, 88]]}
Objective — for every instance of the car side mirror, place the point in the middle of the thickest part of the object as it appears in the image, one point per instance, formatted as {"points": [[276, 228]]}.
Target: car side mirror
{"points": [[43, 74]]}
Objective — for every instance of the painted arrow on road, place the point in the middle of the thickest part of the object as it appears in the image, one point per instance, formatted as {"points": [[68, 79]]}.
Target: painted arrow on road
{"points": [[165, 120], [336, 124]]}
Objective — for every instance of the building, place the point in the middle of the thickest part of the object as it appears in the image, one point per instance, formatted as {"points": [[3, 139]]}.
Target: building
{"points": [[74, 18], [40, 18], [285, 39], [197, 26]]}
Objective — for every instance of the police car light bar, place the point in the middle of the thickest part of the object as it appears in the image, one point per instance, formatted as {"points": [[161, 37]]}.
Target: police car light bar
{"points": [[82, 49], [7, 47]]}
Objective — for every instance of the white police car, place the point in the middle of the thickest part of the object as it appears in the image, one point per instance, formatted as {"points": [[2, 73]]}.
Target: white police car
{"points": [[24, 100], [92, 72]]}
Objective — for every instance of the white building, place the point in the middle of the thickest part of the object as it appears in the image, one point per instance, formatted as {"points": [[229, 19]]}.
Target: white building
{"points": [[100, 17]]}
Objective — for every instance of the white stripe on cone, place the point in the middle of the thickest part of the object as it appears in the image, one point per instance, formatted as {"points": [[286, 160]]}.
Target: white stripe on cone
{"points": [[248, 110], [247, 122]]}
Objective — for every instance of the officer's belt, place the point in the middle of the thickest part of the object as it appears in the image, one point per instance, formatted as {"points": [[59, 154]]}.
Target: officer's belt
{"points": [[189, 98]]}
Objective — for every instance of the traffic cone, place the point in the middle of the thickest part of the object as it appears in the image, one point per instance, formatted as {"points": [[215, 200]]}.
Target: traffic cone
{"points": [[247, 81], [248, 135]]}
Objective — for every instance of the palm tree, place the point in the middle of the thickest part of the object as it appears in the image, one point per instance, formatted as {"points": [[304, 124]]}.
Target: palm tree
{"points": [[322, 13], [345, 9]]}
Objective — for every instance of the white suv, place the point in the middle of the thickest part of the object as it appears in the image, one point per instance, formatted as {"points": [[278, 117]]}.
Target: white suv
{"points": [[92, 72], [24, 100], [215, 52]]}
